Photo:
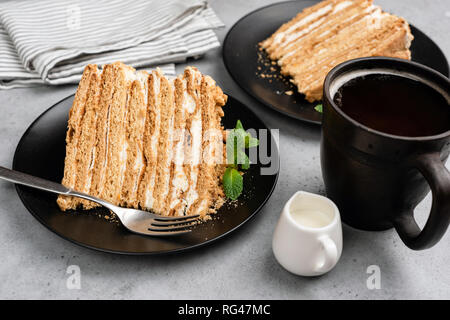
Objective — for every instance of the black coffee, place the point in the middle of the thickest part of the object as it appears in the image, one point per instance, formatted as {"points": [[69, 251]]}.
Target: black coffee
{"points": [[395, 105]]}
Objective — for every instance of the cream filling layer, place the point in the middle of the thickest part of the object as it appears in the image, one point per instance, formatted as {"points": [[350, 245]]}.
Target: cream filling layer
{"points": [[375, 14], [196, 134], [195, 142], [299, 34], [279, 37], [180, 180], [341, 6]]}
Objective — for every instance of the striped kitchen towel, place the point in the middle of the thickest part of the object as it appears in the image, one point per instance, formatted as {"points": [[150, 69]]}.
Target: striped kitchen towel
{"points": [[50, 41]]}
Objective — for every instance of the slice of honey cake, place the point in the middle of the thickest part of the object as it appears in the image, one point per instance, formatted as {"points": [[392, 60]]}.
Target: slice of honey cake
{"points": [[145, 141], [331, 32]]}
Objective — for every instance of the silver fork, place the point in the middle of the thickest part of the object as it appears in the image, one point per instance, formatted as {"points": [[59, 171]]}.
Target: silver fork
{"points": [[138, 221]]}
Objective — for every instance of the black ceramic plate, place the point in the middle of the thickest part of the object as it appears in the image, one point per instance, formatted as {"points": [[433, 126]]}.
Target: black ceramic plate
{"points": [[41, 152], [240, 55]]}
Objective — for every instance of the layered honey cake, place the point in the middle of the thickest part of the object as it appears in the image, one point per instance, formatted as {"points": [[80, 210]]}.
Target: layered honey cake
{"points": [[144, 141], [320, 37]]}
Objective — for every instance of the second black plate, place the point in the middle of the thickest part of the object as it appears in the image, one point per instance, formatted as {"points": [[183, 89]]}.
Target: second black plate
{"points": [[240, 55]]}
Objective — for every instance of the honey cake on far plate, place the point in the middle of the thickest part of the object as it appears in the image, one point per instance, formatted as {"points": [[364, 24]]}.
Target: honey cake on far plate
{"points": [[322, 36]]}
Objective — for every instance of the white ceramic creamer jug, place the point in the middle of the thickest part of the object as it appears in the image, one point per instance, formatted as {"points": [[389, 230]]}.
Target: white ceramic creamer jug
{"points": [[308, 237]]}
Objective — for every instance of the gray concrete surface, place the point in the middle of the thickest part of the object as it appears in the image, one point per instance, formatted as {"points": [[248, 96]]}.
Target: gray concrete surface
{"points": [[33, 261]]}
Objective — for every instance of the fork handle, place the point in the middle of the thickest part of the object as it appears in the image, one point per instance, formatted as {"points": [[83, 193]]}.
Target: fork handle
{"points": [[46, 185], [32, 181]]}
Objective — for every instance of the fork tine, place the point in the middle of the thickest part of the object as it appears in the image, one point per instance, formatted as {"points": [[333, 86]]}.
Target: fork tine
{"points": [[171, 228], [172, 223], [164, 218], [167, 233]]}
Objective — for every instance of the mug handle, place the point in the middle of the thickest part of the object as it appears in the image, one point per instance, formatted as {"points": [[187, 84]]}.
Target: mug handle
{"points": [[438, 177], [331, 254]]}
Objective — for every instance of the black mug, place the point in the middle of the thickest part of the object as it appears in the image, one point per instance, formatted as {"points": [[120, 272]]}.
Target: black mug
{"points": [[377, 179]]}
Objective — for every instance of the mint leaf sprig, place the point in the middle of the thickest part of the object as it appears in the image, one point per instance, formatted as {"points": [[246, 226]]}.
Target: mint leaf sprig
{"points": [[237, 141], [233, 183]]}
